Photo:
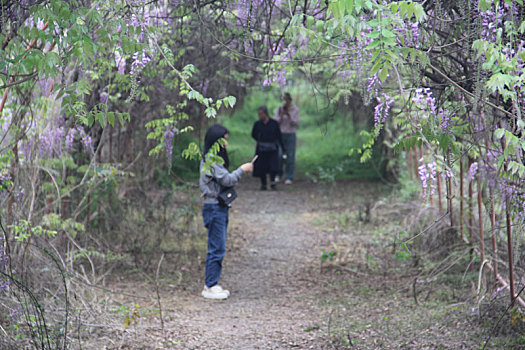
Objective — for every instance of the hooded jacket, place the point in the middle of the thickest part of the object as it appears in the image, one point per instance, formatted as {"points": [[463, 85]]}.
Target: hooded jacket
{"points": [[210, 189], [218, 176]]}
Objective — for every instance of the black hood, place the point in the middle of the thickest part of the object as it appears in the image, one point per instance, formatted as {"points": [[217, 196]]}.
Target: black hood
{"points": [[215, 133]]}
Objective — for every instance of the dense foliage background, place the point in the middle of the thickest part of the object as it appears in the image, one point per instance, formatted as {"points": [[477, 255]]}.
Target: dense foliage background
{"points": [[106, 102]]}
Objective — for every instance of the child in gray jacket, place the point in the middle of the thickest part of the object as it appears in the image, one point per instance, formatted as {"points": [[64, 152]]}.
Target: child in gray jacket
{"points": [[215, 215]]}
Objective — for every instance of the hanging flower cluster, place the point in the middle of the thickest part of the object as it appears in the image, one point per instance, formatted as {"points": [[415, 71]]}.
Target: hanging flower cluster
{"points": [[4, 259], [428, 176], [169, 134], [472, 171], [382, 109]]}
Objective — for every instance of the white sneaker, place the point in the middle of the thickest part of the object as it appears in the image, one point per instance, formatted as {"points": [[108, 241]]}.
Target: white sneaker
{"points": [[221, 289], [215, 292], [277, 178], [288, 182]]}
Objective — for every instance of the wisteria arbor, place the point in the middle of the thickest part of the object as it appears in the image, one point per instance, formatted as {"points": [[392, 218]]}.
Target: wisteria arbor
{"points": [[90, 88]]}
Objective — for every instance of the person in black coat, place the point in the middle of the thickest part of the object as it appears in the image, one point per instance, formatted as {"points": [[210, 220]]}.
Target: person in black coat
{"points": [[267, 133]]}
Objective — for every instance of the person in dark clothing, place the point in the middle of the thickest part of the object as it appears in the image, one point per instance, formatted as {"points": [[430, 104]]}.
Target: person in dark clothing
{"points": [[267, 133]]}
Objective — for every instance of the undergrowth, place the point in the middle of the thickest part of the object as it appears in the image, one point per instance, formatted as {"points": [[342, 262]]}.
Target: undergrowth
{"points": [[398, 278]]}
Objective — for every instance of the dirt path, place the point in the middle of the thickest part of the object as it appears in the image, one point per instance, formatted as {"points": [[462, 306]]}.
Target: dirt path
{"points": [[268, 271], [280, 299]]}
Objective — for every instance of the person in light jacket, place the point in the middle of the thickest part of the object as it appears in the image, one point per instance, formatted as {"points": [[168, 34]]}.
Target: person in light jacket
{"points": [[287, 116], [215, 215]]}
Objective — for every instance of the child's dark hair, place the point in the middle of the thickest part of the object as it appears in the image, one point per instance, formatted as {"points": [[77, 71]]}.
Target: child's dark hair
{"points": [[213, 134]]}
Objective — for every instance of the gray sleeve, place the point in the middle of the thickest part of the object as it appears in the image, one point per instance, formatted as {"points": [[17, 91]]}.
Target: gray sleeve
{"points": [[225, 178]]}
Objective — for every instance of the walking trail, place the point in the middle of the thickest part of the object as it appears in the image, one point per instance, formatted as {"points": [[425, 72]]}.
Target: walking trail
{"points": [[280, 296], [268, 269]]}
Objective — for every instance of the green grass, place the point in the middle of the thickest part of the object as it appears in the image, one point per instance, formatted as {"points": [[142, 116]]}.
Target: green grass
{"points": [[325, 136]]}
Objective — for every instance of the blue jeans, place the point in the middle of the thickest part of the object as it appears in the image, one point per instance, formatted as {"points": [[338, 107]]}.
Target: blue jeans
{"points": [[215, 219], [289, 141]]}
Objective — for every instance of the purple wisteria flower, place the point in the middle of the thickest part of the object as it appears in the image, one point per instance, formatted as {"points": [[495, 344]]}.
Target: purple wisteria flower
{"points": [[45, 84], [168, 140], [19, 194], [16, 314], [497, 292], [120, 62], [140, 60], [78, 133], [103, 96], [472, 171], [423, 99], [6, 120], [416, 32], [5, 178], [279, 75], [50, 142], [70, 138], [275, 76], [428, 175], [4, 285], [4, 258], [87, 142], [382, 109], [445, 121], [373, 85]]}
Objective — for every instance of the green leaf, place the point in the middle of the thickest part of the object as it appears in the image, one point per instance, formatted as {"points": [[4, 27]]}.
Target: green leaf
{"points": [[419, 12], [377, 66], [319, 26], [337, 8], [349, 4], [111, 118], [383, 75], [484, 5], [123, 118], [498, 133], [101, 119], [373, 44], [358, 5], [195, 95], [387, 34], [52, 59], [65, 14], [309, 21], [230, 100], [522, 27], [210, 112], [521, 124], [499, 81], [373, 34]]}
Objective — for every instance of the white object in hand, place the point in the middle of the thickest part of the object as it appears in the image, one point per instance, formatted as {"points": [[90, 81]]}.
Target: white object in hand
{"points": [[285, 156]]}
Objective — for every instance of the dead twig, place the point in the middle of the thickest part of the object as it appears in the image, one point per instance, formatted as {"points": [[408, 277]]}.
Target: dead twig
{"points": [[159, 304], [415, 291]]}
